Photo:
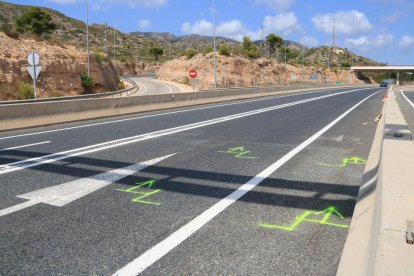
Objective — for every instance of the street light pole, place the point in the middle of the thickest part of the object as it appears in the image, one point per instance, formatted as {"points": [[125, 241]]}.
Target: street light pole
{"points": [[285, 53], [303, 64], [214, 41], [87, 37], [114, 43]]}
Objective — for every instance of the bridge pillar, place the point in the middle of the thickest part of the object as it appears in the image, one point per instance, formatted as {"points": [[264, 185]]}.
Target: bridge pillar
{"points": [[398, 78]]}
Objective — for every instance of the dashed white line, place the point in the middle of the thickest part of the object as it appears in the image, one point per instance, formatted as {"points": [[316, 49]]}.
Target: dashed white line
{"points": [[26, 146], [161, 249]]}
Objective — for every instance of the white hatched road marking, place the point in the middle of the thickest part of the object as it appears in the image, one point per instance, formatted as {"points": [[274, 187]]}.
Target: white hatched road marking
{"points": [[63, 194]]}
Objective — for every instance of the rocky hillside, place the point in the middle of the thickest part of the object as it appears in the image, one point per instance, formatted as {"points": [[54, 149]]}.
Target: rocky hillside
{"points": [[61, 69], [236, 71]]}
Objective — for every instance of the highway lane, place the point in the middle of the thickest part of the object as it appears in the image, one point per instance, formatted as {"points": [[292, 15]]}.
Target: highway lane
{"points": [[74, 135], [102, 232], [149, 86], [406, 102]]}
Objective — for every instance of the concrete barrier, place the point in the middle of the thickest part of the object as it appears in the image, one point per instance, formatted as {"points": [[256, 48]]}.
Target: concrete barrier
{"points": [[45, 113], [384, 214]]}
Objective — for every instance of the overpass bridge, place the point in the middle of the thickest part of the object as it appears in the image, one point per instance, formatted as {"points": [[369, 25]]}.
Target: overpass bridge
{"points": [[385, 69]]}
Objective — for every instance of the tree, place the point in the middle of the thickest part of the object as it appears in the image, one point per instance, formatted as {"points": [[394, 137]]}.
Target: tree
{"points": [[249, 48], [36, 21], [156, 51], [224, 50], [274, 42]]}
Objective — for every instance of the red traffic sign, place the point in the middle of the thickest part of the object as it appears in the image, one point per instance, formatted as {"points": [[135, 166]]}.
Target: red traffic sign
{"points": [[193, 73]]}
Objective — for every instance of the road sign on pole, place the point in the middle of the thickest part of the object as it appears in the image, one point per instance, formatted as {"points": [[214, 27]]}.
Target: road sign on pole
{"points": [[34, 69], [193, 75]]}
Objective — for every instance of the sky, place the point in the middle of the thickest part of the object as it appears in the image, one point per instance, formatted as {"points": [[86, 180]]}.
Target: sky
{"points": [[378, 29]]}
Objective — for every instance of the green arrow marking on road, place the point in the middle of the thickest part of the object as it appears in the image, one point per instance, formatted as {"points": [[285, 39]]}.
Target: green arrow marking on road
{"points": [[305, 218]]}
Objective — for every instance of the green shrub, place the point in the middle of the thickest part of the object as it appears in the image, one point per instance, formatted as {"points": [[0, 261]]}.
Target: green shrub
{"points": [[121, 85], [36, 21], [249, 48], [208, 50], [190, 53], [25, 91], [224, 50], [100, 57], [87, 83]]}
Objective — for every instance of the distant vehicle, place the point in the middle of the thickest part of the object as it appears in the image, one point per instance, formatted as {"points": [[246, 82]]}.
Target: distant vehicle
{"points": [[387, 82], [384, 84]]}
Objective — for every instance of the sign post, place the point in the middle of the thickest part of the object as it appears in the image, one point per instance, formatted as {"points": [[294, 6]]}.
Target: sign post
{"points": [[193, 75], [34, 69]]}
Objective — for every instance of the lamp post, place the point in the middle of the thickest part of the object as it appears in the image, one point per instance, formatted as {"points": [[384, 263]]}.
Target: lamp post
{"points": [[114, 42], [303, 64], [285, 52], [87, 37], [214, 41]]}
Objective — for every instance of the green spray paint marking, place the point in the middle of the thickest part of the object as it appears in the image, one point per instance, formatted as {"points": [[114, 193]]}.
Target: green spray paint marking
{"points": [[143, 194], [305, 218], [238, 152], [348, 161]]}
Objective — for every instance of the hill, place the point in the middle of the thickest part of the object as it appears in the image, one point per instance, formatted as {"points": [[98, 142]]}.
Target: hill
{"points": [[135, 46]]}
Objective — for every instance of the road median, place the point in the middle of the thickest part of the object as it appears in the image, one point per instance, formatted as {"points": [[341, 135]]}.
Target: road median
{"points": [[377, 240]]}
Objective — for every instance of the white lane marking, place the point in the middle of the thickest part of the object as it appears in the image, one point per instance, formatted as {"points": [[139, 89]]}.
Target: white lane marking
{"points": [[165, 113], [158, 251], [32, 162], [408, 100], [137, 81], [63, 194], [169, 88], [26, 146]]}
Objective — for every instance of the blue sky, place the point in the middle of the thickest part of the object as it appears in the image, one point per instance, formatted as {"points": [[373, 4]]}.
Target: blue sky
{"points": [[379, 29]]}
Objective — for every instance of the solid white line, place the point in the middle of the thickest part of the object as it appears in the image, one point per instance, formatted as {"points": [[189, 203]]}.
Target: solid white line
{"points": [[158, 251], [20, 165], [408, 100], [17, 208], [63, 194], [25, 146], [162, 114]]}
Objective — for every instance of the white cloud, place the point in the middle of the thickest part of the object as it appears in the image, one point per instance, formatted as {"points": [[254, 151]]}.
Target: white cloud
{"points": [[406, 42], [202, 27], [281, 23], [395, 16], [309, 41], [347, 22], [144, 24], [362, 43], [383, 40], [232, 29], [279, 5]]}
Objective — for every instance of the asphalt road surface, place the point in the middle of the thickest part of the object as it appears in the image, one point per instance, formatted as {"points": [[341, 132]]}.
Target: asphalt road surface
{"points": [[406, 102], [256, 187], [149, 86]]}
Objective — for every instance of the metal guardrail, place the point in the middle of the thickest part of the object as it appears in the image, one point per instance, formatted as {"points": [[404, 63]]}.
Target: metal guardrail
{"points": [[125, 92]]}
